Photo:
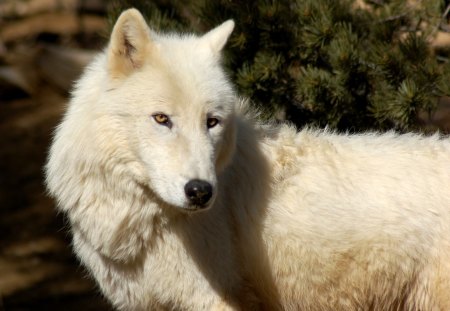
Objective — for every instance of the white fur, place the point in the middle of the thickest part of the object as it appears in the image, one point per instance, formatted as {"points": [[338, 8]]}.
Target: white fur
{"points": [[299, 221]]}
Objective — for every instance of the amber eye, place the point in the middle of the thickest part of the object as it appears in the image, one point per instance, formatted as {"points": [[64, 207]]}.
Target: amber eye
{"points": [[211, 122], [162, 119]]}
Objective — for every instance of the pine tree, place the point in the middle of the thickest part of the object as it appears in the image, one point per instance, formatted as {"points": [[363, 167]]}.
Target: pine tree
{"points": [[347, 65]]}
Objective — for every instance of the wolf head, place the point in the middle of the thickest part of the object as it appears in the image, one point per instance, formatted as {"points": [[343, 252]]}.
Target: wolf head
{"points": [[172, 98]]}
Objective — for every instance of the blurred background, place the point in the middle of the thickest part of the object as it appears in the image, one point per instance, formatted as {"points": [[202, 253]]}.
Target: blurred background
{"points": [[44, 44], [351, 65]]}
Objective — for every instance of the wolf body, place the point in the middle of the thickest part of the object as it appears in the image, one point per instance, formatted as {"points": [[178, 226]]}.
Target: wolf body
{"points": [[179, 200]]}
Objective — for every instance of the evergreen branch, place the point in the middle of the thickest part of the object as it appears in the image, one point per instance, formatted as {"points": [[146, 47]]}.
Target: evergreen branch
{"points": [[442, 58], [394, 17], [377, 2], [444, 16], [321, 61], [447, 10], [440, 22]]}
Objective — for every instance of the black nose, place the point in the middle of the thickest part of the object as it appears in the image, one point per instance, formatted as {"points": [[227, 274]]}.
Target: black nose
{"points": [[198, 192]]}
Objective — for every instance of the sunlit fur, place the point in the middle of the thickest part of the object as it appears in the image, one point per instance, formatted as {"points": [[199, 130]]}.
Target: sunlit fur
{"points": [[308, 220]]}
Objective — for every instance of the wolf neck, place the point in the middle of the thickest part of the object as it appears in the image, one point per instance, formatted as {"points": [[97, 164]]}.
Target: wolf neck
{"points": [[246, 179], [245, 190]]}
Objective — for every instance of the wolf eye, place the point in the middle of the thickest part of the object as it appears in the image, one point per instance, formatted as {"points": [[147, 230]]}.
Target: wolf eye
{"points": [[211, 122], [162, 119]]}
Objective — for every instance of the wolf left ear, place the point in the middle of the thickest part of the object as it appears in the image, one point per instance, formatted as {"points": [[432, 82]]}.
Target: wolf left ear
{"points": [[129, 42], [216, 38]]}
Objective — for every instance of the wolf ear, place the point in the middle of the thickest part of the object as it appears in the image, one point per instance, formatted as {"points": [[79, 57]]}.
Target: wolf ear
{"points": [[216, 38], [129, 42]]}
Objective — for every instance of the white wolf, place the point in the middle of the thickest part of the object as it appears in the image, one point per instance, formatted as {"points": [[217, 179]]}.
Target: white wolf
{"points": [[179, 200]]}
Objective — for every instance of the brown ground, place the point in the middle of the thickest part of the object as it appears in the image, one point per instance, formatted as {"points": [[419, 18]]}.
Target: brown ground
{"points": [[37, 268]]}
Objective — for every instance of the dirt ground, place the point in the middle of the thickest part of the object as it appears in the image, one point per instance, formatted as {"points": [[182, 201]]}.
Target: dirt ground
{"points": [[37, 268]]}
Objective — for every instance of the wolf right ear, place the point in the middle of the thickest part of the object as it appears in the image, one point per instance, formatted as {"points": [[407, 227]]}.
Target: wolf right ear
{"points": [[129, 42], [216, 38]]}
